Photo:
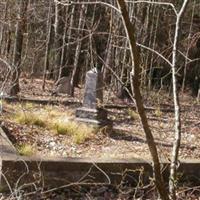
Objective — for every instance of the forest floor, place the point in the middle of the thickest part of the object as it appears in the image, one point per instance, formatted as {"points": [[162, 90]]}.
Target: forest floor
{"points": [[41, 137]]}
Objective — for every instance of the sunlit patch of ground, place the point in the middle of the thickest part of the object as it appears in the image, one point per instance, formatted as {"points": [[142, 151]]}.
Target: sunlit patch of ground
{"points": [[51, 129]]}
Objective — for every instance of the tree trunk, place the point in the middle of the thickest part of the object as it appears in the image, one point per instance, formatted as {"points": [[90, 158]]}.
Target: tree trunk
{"points": [[20, 29], [59, 32], [135, 55], [177, 125], [2, 28], [48, 46], [81, 25]]}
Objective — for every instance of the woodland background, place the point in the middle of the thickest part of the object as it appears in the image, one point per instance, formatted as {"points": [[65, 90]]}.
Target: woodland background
{"points": [[40, 38], [141, 46]]}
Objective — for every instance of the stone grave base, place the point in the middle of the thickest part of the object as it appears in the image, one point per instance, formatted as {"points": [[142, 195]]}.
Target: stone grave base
{"points": [[97, 117]]}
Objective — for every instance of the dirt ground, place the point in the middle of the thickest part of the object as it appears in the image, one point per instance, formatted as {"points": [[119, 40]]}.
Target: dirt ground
{"points": [[126, 141]]}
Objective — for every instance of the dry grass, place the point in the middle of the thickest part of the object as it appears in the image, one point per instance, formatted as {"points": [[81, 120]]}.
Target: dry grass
{"points": [[26, 150], [133, 114], [158, 112], [30, 119], [83, 133], [42, 116], [54, 119], [79, 132]]}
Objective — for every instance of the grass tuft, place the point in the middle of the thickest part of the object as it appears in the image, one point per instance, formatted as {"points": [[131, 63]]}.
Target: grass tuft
{"points": [[133, 114], [83, 133], [26, 150], [78, 132], [30, 119], [158, 112], [29, 106]]}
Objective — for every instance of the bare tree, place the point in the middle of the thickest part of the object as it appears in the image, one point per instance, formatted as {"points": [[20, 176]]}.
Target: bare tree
{"points": [[20, 29], [2, 28], [135, 55], [81, 24], [48, 45], [60, 12], [177, 126]]}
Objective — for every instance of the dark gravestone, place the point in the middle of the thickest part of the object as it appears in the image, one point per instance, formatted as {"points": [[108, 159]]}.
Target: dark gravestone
{"points": [[92, 112]]}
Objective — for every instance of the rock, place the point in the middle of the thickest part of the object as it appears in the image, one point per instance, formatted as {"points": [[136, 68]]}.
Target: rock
{"points": [[52, 144]]}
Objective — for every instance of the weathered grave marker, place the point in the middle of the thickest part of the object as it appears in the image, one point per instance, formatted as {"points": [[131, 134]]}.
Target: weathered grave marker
{"points": [[92, 112], [63, 85]]}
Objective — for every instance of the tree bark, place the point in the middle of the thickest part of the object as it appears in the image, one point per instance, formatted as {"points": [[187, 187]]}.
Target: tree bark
{"points": [[48, 45], [135, 55], [177, 125], [81, 25], [59, 32], [20, 29], [2, 27]]}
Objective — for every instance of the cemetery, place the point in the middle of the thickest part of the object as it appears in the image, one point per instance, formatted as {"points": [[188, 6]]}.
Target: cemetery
{"points": [[99, 100], [69, 136], [67, 127]]}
